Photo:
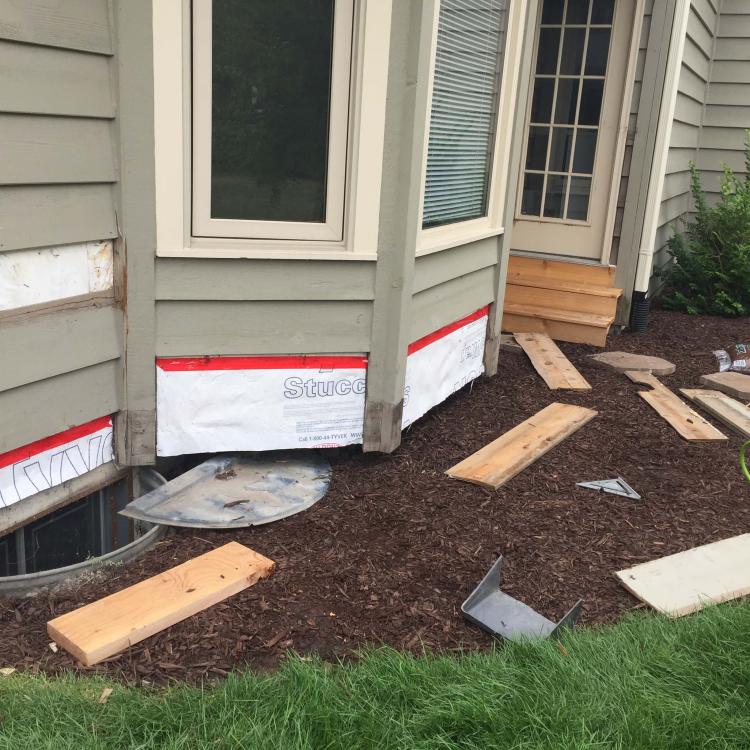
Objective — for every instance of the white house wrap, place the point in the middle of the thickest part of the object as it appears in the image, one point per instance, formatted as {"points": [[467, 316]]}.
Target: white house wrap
{"points": [[213, 404], [442, 362], [53, 460]]}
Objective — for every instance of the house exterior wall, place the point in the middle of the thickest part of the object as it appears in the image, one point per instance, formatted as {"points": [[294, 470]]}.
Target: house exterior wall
{"points": [[687, 125], [61, 346]]}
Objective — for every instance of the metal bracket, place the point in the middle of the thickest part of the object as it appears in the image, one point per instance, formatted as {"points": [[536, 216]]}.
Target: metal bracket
{"points": [[506, 617]]}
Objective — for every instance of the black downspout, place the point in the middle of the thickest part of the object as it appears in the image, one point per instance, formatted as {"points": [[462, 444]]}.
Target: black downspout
{"points": [[639, 312]]}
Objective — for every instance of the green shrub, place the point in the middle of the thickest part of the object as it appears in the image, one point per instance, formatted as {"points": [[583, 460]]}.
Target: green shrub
{"points": [[711, 269]]}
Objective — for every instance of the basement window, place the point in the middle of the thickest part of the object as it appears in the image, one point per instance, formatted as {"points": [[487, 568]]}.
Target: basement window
{"points": [[88, 528], [271, 86]]}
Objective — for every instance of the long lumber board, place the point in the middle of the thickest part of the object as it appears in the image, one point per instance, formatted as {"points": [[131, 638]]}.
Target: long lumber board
{"points": [[686, 421], [108, 626], [500, 460], [683, 583], [729, 411], [553, 366]]}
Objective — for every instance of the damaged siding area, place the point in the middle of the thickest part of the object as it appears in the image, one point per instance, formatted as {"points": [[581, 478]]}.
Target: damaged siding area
{"points": [[60, 330], [686, 138]]}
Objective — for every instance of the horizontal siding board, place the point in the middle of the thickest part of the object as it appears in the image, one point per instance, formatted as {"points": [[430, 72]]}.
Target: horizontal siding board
{"points": [[268, 327], [58, 403], [437, 268], [233, 279], [47, 150], [72, 24], [50, 81], [44, 346], [55, 215], [440, 305]]}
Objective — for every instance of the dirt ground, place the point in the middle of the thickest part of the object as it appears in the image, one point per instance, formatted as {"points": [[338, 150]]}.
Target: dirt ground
{"points": [[390, 553]]}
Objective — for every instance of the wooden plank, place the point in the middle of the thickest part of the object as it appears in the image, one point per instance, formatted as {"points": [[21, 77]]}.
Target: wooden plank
{"points": [[53, 81], [46, 150], [72, 24], [39, 216], [688, 423], [735, 384], [552, 365], [511, 453], [46, 345], [573, 332], [108, 626], [688, 581], [729, 411]]}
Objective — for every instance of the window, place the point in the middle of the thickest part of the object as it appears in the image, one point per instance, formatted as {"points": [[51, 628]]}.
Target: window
{"points": [[464, 111], [566, 103], [271, 85]]}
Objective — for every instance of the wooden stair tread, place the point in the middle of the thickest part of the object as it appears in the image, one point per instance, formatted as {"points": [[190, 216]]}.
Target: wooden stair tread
{"points": [[566, 316], [562, 285]]}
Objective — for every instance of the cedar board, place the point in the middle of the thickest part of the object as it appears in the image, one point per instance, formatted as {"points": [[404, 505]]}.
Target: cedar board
{"points": [[688, 581], [552, 365], [500, 460], [108, 626], [686, 421], [727, 410]]}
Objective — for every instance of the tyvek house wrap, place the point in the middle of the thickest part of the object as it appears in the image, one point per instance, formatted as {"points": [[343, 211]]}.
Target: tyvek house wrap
{"points": [[217, 404]]}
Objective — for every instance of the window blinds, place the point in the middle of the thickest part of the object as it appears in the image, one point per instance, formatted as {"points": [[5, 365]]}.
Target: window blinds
{"points": [[464, 109]]}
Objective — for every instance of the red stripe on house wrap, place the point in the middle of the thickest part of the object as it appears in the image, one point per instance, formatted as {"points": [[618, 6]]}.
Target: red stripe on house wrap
{"points": [[188, 364], [445, 330], [54, 441]]}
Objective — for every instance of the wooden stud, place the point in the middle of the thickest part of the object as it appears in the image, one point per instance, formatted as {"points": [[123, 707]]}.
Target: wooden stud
{"points": [[108, 626]]}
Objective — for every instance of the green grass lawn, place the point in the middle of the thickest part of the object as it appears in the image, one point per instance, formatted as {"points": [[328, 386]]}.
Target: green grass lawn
{"points": [[645, 683]]}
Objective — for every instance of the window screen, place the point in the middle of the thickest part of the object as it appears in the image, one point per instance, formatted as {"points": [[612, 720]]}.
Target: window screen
{"points": [[466, 85]]}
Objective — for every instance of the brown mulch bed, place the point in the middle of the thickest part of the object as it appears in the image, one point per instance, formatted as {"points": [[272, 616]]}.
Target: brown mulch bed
{"points": [[390, 553]]}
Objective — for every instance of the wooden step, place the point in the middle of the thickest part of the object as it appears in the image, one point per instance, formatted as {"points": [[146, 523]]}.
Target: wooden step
{"points": [[562, 316], [519, 294], [563, 285], [580, 273], [577, 328]]}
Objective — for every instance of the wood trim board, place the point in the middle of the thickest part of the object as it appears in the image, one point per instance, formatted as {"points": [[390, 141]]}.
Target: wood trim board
{"points": [[107, 626], [552, 365], [687, 422], [727, 410], [500, 460], [688, 581]]}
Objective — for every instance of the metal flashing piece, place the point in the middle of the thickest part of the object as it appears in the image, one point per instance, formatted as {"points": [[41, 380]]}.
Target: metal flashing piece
{"points": [[506, 617], [235, 491], [613, 486]]}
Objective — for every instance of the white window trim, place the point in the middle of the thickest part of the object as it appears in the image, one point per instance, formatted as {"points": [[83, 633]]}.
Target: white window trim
{"points": [[365, 141], [460, 233]]}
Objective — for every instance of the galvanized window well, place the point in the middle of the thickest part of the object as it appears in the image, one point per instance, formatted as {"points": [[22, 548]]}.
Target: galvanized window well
{"points": [[466, 87]]}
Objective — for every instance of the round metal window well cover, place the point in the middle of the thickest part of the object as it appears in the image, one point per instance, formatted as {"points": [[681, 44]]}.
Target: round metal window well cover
{"points": [[234, 491]]}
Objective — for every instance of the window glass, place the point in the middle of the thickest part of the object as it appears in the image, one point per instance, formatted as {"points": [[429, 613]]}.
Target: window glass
{"points": [[463, 116], [271, 92]]}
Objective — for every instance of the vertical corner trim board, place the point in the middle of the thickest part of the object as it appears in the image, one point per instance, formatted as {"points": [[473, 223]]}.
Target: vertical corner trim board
{"points": [[108, 626], [552, 365], [688, 581], [727, 410], [504, 458], [687, 422], [46, 463]]}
